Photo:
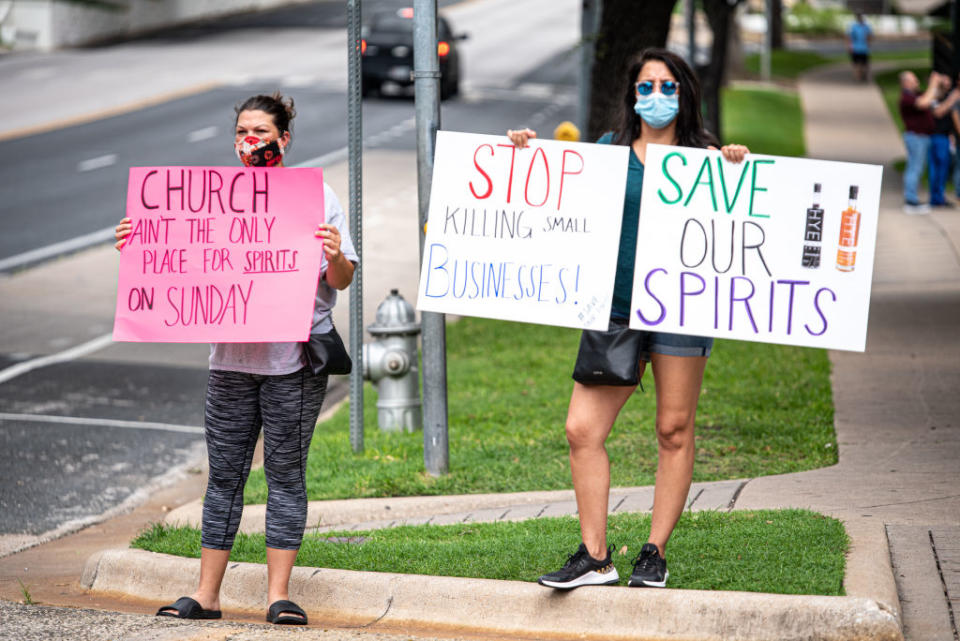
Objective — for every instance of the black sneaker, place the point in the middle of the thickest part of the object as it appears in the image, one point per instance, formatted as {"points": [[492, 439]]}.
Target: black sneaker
{"points": [[649, 569], [582, 569]]}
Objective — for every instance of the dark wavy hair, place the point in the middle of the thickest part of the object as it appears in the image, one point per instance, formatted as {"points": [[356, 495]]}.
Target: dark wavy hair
{"points": [[280, 109], [690, 131]]}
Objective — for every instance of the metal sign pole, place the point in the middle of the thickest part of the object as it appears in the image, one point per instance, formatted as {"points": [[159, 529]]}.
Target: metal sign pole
{"points": [[589, 24], [426, 82], [355, 154], [766, 56]]}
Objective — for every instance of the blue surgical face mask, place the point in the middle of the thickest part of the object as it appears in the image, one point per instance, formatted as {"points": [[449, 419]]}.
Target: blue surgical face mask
{"points": [[657, 110]]}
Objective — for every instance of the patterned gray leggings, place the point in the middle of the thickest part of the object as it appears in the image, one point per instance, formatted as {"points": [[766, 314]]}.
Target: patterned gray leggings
{"points": [[238, 404]]}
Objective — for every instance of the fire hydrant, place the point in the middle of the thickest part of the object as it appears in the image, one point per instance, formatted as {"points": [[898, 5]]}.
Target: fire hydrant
{"points": [[390, 363]]}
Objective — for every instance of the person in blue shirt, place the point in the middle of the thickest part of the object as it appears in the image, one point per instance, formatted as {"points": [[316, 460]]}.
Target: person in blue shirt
{"points": [[661, 105], [859, 35]]}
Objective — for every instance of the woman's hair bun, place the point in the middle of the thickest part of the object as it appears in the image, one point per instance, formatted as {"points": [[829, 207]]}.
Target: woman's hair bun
{"points": [[280, 107]]}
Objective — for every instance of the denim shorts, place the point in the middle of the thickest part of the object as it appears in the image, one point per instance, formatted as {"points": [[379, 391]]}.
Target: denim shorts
{"points": [[670, 344]]}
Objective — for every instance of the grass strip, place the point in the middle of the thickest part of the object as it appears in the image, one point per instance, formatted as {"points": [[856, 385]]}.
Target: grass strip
{"points": [[766, 121], [773, 551], [764, 409], [788, 64]]}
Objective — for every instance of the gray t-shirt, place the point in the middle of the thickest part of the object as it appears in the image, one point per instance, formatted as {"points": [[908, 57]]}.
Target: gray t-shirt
{"points": [[286, 358]]}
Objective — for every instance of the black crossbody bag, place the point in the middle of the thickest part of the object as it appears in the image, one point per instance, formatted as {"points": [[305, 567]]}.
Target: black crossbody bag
{"points": [[326, 354], [609, 357]]}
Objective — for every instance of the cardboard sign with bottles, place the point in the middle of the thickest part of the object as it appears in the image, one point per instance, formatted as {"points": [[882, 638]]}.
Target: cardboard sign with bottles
{"points": [[773, 249]]}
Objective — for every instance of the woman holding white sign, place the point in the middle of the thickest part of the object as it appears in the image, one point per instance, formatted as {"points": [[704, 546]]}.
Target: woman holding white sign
{"points": [[270, 386], [661, 105]]}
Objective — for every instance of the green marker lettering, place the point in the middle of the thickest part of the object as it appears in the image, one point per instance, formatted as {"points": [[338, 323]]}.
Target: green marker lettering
{"points": [[713, 193], [723, 184], [660, 193], [753, 186]]}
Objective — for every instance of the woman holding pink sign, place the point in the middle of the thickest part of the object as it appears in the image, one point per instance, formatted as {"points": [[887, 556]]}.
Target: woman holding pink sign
{"points": [[661, 105], [268, 386]]}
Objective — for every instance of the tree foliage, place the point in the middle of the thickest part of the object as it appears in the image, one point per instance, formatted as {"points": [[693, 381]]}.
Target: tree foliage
{"points": [[629, 26], [626, 28]]}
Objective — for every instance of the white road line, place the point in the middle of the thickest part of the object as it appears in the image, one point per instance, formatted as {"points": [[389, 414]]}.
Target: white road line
{"points": [[74, 352], [326, 159], [97, 163], [203, 134], [42, 253], [100, 422], [341, 154]]}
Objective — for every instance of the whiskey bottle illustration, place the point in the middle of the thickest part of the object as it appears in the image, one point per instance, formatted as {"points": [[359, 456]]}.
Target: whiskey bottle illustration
{"points": [[849, 233], [813, 232]]}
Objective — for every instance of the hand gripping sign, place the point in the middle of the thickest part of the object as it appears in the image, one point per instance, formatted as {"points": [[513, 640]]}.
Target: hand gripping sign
{"points": [[220, 254], [523, 234], [773, 249]]}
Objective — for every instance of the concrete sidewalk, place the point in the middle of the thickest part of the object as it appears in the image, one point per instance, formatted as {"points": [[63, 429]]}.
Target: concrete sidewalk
{"points": [[896, 487]]}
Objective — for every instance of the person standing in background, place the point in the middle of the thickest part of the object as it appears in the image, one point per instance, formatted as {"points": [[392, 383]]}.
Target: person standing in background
{"points": [[955, 132], [940, 141], [858, 44], [915, 111]]}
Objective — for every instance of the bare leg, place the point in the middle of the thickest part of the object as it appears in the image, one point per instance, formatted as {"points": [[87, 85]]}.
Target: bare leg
{"points": [[213, 564], [593, 409], [678, 380], [279, 566]]}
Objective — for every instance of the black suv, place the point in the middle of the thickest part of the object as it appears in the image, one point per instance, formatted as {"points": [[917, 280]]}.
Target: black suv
{"points": [[387, 49]]}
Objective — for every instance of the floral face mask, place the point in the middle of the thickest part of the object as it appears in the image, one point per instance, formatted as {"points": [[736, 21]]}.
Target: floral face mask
{"points": [[256, 152]]}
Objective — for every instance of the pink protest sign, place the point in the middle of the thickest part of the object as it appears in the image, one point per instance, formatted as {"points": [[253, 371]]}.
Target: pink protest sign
{"points": [[220, 254]]}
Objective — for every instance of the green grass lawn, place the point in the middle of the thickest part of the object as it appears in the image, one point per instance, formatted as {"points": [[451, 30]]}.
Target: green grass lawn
{"points": [[782, 551], [765, 409], [787, 64], [766, 121]]}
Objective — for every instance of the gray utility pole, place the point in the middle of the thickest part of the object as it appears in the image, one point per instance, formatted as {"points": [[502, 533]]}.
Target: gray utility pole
{"points": [[690, 13], [589, 24], [355, 155], [426, 83]]}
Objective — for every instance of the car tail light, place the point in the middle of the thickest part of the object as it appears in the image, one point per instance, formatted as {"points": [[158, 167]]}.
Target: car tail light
{"points": [[363, 46], [443, 48]]}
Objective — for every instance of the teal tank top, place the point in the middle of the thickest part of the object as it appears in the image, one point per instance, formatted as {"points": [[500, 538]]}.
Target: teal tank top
{"points": [[623, 283]]}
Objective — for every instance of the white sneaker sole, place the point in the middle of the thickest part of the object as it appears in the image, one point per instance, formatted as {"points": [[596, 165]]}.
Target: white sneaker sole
{"points": [[590, 578], [651, 584]]}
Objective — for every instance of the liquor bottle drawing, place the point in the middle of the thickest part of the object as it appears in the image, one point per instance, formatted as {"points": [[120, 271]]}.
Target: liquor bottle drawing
{"points": [[849, 233], [813, 232]]}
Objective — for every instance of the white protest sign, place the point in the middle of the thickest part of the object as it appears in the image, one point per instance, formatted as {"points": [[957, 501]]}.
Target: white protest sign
{"points": [[752, 251], [523, 234]]}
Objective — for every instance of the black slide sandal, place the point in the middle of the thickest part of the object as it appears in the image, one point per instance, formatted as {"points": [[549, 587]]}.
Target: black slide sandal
{"points": [[285, 612], [187, 608]]}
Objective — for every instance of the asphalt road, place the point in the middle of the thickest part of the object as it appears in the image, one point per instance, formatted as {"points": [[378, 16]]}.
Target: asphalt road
{"points": [[89, 433]]}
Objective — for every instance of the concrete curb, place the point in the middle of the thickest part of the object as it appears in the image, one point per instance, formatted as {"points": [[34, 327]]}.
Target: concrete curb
{"points": [[522, 610], [350, 511], [322, 514]]}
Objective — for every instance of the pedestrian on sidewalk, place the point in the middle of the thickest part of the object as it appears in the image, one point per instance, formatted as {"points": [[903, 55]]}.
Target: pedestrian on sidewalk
{"points": [[917, 112], [940, 141], [955, 143], [661, 105], [859, 36], [264, 385]]}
